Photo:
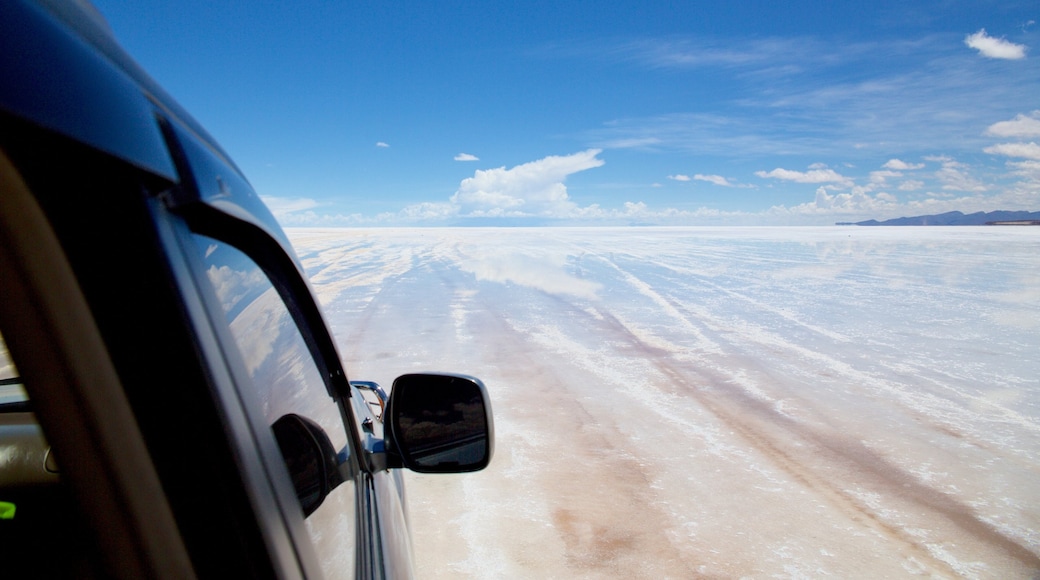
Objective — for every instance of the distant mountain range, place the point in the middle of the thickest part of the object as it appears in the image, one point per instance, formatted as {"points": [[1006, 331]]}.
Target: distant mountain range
{"points": [[956, 218]]}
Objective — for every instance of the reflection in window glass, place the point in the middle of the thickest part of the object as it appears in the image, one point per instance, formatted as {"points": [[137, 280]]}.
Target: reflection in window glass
{"points": [[286, 380], [11, 390]]}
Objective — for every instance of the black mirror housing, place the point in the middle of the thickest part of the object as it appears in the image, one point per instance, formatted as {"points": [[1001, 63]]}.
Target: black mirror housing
{"points": [[441, 423]]}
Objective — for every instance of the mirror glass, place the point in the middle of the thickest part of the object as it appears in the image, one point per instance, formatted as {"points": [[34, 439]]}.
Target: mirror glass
{"points": [[441, 422]]}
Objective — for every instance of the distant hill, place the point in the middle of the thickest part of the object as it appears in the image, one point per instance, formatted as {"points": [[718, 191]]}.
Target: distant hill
{"points": [[956, 218]]}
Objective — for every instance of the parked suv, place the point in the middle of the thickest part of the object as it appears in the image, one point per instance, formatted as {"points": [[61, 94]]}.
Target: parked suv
{"points": [[173, 403]]}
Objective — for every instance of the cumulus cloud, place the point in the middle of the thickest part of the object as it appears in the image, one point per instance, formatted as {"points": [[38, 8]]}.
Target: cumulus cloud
{"points": [[900, 165], [716, 179], [953, 176], [466, 157], [679, 177], [233, 285], [382, 144], [1023, 150], [1021, 126], [531, 189], [856, 203], [1029, 171], [817, 175], [991, 47]]}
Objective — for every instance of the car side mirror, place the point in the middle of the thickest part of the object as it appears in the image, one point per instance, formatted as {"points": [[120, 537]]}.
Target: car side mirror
{"points": [[441, 423], [310, 457]]}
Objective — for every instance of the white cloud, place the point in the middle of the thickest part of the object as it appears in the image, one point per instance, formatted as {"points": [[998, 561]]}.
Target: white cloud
{"points": [[1021, 126], [531, 189], [881, 177], [1024, 150], [466, 157], [899, 165], [382, 144], [545, 270], [716, 179], [911, 185], [428, 211], [811, 176], [857, 203], [827, 208], [1029, 174], [632, 143], [233, 285], [954, 177], [1028, 169], [991, 47], [679, 177]]}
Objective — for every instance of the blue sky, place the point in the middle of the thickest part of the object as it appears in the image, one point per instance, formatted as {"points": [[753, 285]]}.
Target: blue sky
{"points": [[750, 113]]}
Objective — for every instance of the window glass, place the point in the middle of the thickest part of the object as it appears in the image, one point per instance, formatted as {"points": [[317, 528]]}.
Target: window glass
{"points": [[11, 390], [286, 380]]}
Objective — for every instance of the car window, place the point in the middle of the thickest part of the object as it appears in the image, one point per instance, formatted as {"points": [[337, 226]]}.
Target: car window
{"points": [[286, 380]]}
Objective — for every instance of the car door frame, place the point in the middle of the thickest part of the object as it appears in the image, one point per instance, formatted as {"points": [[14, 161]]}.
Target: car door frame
{"points": [[213, 200]]}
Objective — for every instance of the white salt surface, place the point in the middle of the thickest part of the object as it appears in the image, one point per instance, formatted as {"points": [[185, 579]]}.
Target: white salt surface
{"points": [[847, 402]]}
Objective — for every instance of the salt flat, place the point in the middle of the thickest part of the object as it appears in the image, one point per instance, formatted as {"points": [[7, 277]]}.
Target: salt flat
{"points": [[725, 402]]}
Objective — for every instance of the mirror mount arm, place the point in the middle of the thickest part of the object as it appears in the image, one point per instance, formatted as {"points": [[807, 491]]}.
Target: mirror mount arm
{"points": [[392, 460]]}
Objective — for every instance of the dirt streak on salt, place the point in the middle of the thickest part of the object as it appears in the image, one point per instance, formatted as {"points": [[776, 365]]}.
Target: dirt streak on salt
{"points": [[724, 402]]}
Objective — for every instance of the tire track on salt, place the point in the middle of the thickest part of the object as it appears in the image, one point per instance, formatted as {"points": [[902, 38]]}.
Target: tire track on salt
{"points": [[754, 419]]}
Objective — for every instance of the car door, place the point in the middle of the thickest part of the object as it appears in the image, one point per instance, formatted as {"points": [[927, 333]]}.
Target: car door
{"points": [[277, 376], [280, 356]]}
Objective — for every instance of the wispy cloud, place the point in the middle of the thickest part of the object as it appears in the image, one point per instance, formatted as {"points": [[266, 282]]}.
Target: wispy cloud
{"points": [[687, 53], [1023, 150], [783, 55], [991, 47], [716, 179], [281, 207], [796, 97], [632, 143], [1021, 126], [679, 177], [382, 144], [811, 176], [466, 157]]}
